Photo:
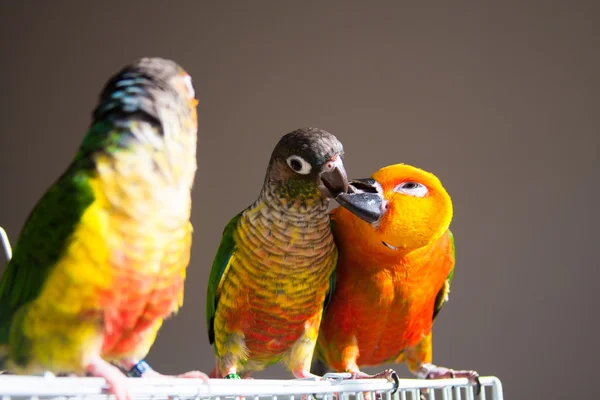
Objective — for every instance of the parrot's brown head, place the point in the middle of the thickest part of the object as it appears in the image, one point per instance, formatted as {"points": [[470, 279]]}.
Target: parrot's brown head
{"points": [[154, 89], [307, 164], [408, 208]]}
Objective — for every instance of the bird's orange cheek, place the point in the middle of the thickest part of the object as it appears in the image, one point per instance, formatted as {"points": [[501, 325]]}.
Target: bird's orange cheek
{"points": [[391, 227]]}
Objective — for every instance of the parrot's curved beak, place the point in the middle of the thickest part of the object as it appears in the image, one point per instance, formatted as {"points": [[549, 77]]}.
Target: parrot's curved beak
{"points": [[364, 199], [333, 178]]}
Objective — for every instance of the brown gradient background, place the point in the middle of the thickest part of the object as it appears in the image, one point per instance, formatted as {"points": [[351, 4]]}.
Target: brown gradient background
{"points": [[500, 101]]}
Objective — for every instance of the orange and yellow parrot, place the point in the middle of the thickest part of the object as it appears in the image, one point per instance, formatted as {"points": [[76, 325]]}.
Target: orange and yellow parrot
{"points": [[396, 262]]}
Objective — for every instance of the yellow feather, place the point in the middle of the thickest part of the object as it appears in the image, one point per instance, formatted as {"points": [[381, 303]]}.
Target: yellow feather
{"points": [[64, 321]]}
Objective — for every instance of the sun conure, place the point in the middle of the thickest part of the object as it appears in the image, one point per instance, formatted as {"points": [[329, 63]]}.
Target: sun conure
{"points": [[102, 258], [271, 274], [393, 277]]}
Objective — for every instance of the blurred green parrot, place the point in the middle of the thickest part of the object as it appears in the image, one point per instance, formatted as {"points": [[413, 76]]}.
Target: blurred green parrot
{"points": [[102, 258]]}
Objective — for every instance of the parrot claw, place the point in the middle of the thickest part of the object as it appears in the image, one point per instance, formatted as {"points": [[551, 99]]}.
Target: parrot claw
{"points": [[430, 371], [396, 379], [475, 380], [390, 375]]}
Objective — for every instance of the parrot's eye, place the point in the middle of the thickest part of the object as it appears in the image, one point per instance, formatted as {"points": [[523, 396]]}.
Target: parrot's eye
{"points": [[412, 189], [298, 164]]}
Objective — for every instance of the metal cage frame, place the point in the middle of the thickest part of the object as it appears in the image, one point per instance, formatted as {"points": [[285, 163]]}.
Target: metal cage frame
{"points": [[14, 387]]}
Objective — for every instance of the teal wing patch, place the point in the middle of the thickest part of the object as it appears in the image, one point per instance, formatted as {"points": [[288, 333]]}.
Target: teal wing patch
{"points": [[217, 272], [442, 295], [41, 243]]}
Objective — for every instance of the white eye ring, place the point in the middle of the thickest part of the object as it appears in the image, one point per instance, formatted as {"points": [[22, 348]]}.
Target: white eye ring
{"points": [[411, 188], [187, 80], [298, 165]]}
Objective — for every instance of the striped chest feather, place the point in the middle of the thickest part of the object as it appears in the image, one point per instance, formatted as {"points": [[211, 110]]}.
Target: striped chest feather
{"points": [[278, 276]]}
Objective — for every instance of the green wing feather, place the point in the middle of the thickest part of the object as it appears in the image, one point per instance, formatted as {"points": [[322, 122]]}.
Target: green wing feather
{"points": [[41, 243], [217, 272], [46, 232], [440, 299]]}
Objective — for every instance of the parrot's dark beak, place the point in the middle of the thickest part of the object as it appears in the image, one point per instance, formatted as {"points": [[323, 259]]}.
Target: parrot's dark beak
{"points": [[364, 199], [333, 178]]}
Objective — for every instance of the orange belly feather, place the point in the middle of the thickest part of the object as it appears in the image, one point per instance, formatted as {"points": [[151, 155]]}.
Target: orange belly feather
{"points": [[381, 307]]}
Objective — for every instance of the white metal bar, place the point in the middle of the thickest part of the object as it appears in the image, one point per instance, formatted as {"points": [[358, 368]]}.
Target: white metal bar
{"points": [[497, 392], [457, 394], [431, 394], [12, 386], [5, 244], [470, 393], [447, 393]]}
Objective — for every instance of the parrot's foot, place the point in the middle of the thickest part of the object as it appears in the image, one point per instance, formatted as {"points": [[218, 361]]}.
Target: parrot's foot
{"points": [[144, 370], [231, 374], [431, 371], [187, 375], [305, 374], [388, 374], [116, 380]]}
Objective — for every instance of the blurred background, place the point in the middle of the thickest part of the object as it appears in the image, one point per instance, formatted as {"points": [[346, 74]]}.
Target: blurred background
{"points": [[500, 101]]}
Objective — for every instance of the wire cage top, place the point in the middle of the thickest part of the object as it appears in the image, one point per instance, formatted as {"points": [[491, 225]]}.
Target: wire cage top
{"points": [[14, 387]]}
